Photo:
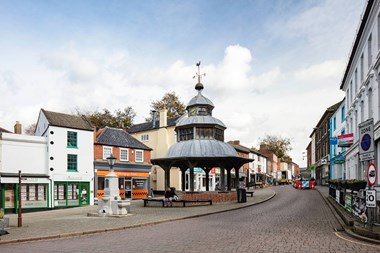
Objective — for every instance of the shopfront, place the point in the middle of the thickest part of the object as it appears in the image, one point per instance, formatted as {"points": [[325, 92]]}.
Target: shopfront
{"points": [[132, 185], [71, 194], [34, 193], [72, 190], [200, 179]]}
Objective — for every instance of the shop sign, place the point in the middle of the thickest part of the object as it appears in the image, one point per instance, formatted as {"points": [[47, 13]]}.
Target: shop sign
{"points": [[333, 140], [339, 159], [345, 140]]}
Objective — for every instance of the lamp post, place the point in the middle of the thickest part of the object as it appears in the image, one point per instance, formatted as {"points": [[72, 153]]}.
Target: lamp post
{"points": [[111, 162]]}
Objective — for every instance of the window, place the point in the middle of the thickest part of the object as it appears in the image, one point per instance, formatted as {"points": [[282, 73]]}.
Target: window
{"points": [[123, 154], [145, 137], [107, 151], [361, 68], [369, 51], [370, 106], [343, 113], [334, 124], [186, 134], [219, 134], [356, 82], [139, 156], [72, 162], [71, 139], [204, 133]]}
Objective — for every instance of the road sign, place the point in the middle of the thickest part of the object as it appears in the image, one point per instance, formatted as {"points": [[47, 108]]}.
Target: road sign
{"points": [[370, 198], [367, 145], [371, 174]]}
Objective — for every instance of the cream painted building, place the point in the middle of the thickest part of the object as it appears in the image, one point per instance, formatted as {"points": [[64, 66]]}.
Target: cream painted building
{"points": [[158, 135]]}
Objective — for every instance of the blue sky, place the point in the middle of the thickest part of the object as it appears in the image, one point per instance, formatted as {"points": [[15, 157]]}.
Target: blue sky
{"points": [[272, 67]]}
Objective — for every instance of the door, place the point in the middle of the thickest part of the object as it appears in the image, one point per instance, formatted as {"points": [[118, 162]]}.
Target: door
{"points": [[128, 188], [84, 194]]}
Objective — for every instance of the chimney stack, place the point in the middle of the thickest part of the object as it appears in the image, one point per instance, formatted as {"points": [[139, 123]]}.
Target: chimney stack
{"points": [[154, 115], [17, 128]]}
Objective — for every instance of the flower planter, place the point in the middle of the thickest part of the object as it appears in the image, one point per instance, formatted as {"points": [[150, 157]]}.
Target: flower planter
{"points": [[356, 186]]}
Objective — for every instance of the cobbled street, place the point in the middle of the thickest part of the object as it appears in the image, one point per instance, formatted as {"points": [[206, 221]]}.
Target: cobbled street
{"points": [[293, 221]]}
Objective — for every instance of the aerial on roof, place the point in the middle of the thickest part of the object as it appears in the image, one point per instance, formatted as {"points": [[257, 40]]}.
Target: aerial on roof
{"points": [[67, 120], [119, 138]]}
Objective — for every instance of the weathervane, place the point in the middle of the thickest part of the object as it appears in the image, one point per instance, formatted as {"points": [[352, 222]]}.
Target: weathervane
{"points": [[199, 75]]}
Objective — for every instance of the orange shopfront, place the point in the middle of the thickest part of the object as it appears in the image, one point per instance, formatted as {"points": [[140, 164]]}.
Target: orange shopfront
{"points": [[132, 185]]}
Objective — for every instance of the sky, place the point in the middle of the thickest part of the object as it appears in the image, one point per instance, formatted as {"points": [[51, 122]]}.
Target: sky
{"points": [[272, 67]]}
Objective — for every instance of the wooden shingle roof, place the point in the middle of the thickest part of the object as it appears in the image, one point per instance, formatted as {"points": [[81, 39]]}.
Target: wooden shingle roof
{"points": [[67, 120]]}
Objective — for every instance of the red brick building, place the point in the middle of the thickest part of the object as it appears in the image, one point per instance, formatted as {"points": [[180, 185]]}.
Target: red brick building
{"points": [[132, 162]]}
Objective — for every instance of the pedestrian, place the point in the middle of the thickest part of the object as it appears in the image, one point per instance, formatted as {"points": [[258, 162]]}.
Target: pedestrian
{"points": [[169, 196]]}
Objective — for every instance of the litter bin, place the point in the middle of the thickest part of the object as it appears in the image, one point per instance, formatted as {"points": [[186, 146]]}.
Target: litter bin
{"points": [[241, 195]]}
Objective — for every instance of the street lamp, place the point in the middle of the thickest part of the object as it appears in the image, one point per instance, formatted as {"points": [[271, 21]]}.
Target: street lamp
{"points": [[111, 161]]}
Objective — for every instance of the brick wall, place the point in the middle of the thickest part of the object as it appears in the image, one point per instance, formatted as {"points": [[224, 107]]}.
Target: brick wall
{"points": [[214, 196]]}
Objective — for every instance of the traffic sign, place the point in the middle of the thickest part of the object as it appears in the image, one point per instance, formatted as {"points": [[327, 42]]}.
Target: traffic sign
{"points": [[370, 198], [371, 174], [367, 145]]}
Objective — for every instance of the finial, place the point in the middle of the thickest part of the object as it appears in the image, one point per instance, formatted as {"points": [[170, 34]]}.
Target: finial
{"points": [[199, 75]]}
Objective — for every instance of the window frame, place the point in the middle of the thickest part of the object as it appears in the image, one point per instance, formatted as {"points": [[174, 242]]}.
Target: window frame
{"points": [[70, 163], [106, 147], [142, 155], [121, 157], [70, 139]]}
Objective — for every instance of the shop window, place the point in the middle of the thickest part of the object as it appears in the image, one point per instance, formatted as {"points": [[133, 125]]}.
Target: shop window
{"points": [[72, 194], [33, 195], [100, 183], [72, 162], [71, 139], [60, 194]]}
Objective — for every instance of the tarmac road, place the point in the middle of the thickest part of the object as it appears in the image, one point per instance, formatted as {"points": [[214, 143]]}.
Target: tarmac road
{"points": [[292, 221]]}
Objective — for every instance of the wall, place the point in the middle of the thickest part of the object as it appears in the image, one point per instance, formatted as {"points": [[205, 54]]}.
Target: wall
{"points": [[23, 152]]}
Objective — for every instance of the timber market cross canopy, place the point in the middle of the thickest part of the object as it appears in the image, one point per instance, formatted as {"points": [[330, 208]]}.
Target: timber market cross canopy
{"points": [[200, 143]]}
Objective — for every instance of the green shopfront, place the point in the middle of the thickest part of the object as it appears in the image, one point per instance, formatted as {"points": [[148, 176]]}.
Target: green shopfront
{"points": [[34, 193], [71, 194]]}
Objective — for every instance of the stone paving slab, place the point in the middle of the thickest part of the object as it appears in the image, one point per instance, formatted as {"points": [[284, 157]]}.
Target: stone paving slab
{"points": [[68, 222]]}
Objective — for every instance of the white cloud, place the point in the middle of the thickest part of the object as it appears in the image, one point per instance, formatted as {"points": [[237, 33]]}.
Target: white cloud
{"points": [[332, 69]]}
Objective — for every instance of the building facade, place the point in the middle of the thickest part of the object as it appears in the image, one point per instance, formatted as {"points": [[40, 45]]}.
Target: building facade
{"points": [[159, 135], [132, 164], [70, 162], [338, 141], [27, 154], [362, 88]]}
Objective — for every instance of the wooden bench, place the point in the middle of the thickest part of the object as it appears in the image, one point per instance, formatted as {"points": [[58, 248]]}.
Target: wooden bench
{"points": [[155, 200], [184, 201], [250, 193]]}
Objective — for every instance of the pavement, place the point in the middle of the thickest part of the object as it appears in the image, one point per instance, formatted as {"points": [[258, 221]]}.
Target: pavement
{"points": [[69, 222], [351, 225]]}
